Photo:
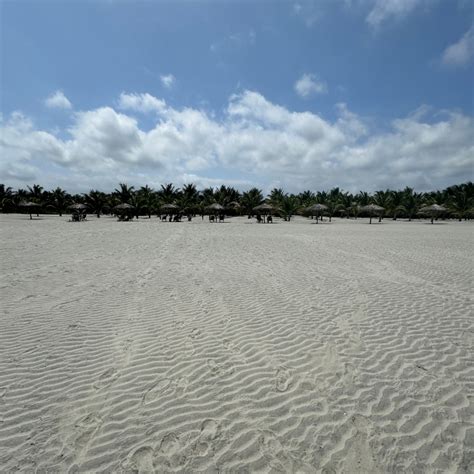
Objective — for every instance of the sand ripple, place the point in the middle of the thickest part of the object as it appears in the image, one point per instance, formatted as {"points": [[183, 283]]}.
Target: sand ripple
{"points": [[155, 347]]}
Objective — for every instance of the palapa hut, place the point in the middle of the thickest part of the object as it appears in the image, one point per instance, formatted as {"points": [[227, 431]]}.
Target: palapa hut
{"points": [[171, 209], [317, 210], [264, 209], [216, 210], [29, 206], [78, 211], [433, 211], [124, 211], [373, 210]]}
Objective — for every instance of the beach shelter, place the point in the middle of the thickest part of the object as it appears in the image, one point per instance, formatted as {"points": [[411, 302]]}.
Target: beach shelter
{"points": [[124, 211], [317, 210], [373, 210], [215, 209], [264, 209], [78, 207], [29, 206], [433, 210], [169, 208], [78, 210]]}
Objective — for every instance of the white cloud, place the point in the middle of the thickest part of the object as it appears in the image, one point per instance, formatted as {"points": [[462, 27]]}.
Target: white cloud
{"points": [[309, 84], [461, 52], [255, 140], [143, 103], [308, 11], [58, 100], [168, 80], [234, 42], [384, 10]]}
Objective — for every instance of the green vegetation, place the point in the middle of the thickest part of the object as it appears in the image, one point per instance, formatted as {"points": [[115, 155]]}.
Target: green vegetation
{"points": [[406, 203]]}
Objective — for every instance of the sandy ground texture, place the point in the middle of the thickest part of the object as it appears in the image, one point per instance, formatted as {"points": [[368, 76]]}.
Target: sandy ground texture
{"points": [[238, 347]]}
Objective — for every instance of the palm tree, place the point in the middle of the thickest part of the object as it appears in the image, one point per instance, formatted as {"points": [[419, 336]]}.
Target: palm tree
{"points": [[145, 199], [96, 201], [460, 203], [225, 195], [363, 198], [411, 202], [276, 197], [306, 198], [395, 204], [6, 197], [289, 206], [35, 193], [168, 193], [251, 199], [59, 199], [124, 193]]}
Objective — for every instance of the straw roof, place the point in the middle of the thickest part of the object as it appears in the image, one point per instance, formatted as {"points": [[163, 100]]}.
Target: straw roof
{"points": [[372, 208], [433, 208], [78, 207], [263, 208], [169, 207], [215, 207], [317, 207], [124, 206], [29, 204]]}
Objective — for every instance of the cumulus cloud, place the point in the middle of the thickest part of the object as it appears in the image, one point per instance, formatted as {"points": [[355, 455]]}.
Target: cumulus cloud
{"points": [[58, 100], [143, 103], [168, 80], [461, 52], [258, 141], [309, 84]]}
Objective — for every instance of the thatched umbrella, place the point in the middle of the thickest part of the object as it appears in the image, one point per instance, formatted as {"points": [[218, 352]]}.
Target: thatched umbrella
{"points": [[78, 210], [433, 210], [216, 209], [318, 210], [264, 209], [169, 208], [373, 210], [30, 206], [78, 207], [124, 210]]}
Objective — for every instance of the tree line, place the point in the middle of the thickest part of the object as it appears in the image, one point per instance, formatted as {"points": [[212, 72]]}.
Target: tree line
{"points": [[458, 199]]}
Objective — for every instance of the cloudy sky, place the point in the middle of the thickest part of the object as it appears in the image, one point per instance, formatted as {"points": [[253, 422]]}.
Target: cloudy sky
{"points": [[360, 94]]}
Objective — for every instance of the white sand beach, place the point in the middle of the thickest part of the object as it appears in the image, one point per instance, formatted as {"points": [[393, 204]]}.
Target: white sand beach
{"points": [[148, 346]]}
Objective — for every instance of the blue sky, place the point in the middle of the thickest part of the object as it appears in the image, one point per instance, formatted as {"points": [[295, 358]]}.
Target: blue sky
{"points": [[361, 94]]}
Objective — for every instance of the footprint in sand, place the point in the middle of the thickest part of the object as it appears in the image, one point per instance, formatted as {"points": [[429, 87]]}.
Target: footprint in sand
{"points": [[106, 379], [85, 429], [282, 379], [210, 431], [127, 350], [213, 367], [154, 392], [360, 458], [181, 386], [269, 444], [227, 344], [196, 332], [170, 454], [141, 460], [169, 445]]}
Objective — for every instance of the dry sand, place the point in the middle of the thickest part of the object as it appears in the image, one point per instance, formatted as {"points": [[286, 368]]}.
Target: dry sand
{"points": [[236, 347]]}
